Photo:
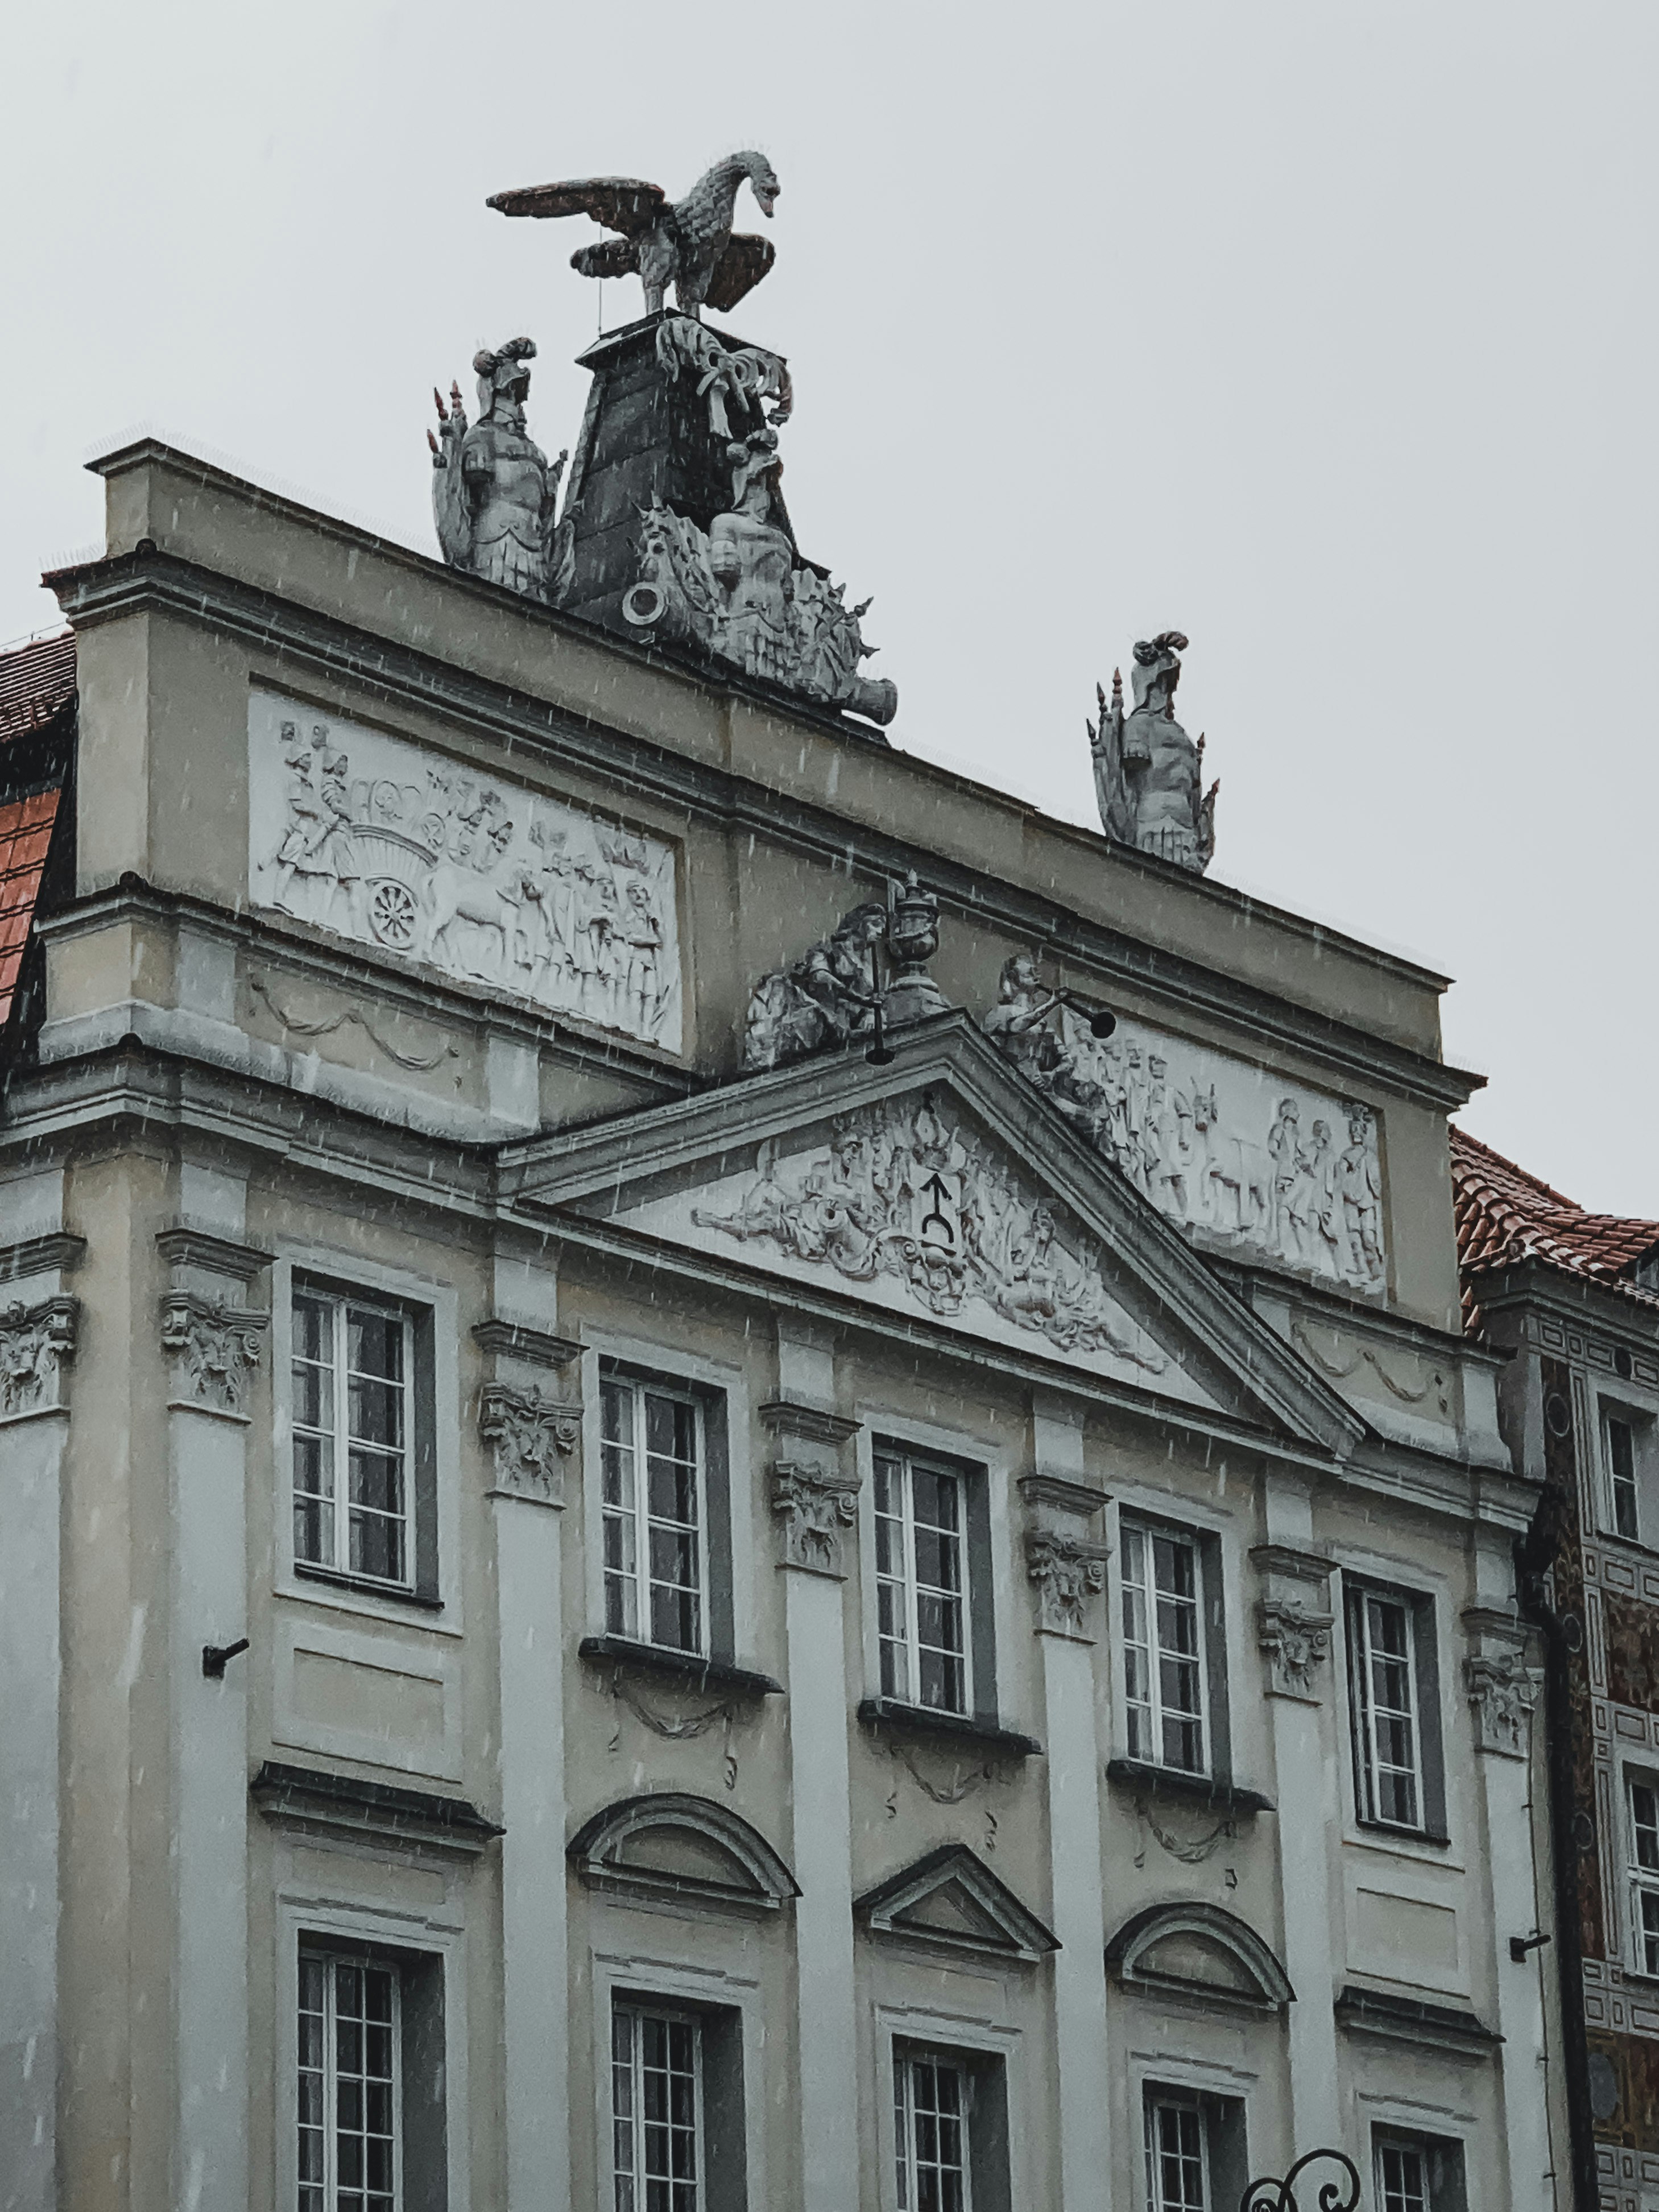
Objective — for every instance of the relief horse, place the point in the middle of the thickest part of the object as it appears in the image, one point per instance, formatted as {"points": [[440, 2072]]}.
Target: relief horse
{"points": [[1234, 1179]]}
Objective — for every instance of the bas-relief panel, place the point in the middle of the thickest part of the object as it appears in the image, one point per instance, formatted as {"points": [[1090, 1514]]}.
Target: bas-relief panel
{"points": [[1235, 1154], [378, 840], [905, 1205]]}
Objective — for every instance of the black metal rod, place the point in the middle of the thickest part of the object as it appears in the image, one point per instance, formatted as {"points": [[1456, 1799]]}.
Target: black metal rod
{"points": [[213, 1656]]}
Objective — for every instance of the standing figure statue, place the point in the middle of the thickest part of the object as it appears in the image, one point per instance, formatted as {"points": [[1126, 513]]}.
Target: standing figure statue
{"points": [[493, 493], [1149, 775]]}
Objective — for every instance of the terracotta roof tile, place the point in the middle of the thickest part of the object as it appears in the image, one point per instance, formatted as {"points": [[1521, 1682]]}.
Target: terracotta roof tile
{"points": [[1504, 1214], [26, 826], [34, 681]]}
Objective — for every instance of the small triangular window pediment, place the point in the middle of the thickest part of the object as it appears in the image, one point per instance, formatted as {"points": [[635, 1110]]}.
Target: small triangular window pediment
{"points": [[951, 1901]]}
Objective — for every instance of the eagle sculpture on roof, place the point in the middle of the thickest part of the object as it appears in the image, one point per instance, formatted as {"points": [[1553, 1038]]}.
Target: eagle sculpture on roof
{"points": [[688, 243]]}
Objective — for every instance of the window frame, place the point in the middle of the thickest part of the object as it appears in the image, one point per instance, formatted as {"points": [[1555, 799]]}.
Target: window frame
{"points": [[1444, 2182], [435, 1598], [334, 1959], [1641, 1880], [907, 2059], [1145, 1531], [1421, 1612], [1157, 2099], [615, 1376], [1639, 1425], [639, 2010], [341, 1302], [906, 1458]]}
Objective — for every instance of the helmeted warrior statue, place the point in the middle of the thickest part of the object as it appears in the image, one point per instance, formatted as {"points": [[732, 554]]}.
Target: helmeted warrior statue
{"points": [[493, 493], [1149, 775]]}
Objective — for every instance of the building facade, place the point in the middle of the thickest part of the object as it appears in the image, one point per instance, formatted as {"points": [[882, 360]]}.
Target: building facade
{"points": [[1573, 1298], [731, 1475]]}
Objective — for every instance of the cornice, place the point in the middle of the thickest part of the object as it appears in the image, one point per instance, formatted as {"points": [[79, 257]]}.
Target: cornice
{"points": [[103, 589], [1582, 1300]]}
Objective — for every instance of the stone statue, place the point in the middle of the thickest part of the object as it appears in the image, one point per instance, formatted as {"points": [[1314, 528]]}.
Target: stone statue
{"points": [[689, 243], [493, 491], [1149, 775], [741, 591], [834, 992]]}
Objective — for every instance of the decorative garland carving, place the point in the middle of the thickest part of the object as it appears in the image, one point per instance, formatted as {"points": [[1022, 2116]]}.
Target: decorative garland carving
{"points": [[418, 1063], [528, 1435], [676, 1728], [215, 1348], [1191, 1850], [1364, 1355], [35, 1342]]}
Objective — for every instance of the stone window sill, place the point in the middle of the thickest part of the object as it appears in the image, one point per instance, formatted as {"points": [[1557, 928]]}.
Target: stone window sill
{"points": [[887, 1716], [365, 1586], [1197, 1789], [689, 1668]]}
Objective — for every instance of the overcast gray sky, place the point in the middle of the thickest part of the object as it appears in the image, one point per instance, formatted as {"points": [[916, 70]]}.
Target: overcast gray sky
{"points": [[1324, 333]]}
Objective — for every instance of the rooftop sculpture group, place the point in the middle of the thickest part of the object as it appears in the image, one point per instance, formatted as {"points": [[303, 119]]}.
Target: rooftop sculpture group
{"points": [[713, 572], [1149, 775]]}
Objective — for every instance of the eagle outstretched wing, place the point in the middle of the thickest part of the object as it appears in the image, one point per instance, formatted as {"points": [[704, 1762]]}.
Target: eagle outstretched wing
{"points": [[623, 203], [739, 269], [607, 256]]}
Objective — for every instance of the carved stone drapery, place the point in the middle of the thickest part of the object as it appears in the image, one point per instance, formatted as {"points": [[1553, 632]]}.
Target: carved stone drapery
{"points": [[215, 1348], [36, 1341], [1065, 1566], [528, 1435], [1293, 1620], [1502, 1687], [813, 1501]]}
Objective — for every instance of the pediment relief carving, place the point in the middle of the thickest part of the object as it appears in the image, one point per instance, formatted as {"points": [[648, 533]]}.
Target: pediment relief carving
{"points": [[1200, 1951], [905, 1202], [951, 1901], [678, 1852]]}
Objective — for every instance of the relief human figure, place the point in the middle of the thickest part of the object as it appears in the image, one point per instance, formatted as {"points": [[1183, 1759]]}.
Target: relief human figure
{"points": [[753, 561], [826, 997], [1164, 1142], [1359, 1186], [316, 844], [641, 934]]}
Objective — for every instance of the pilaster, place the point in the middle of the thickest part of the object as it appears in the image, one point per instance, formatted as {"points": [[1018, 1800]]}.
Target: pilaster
{"points": [[1294, 1625], [530, 1429], [211, 1336], [814, 1493], [39, 1320], [1502, 1687], [1065, 1567]]}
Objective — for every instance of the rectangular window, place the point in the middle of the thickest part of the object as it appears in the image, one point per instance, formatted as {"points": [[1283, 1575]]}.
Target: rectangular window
{"points": [[349, 2069], [1163, 1657], [1619, 1455], [1402, 2178], [1384, 1693], [656, 2111], [353, 1364], [1643, 1803], [921, 1583], [1177, 2155], [931, 2102], [656, 1556]]}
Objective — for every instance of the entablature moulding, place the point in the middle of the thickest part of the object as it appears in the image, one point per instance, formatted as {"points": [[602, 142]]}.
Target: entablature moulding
{"points": [[131, 1096], [1168, 981], [1581, 1320]]}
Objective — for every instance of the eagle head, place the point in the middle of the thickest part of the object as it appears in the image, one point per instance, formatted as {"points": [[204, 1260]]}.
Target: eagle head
{"points": [[762, 181]]}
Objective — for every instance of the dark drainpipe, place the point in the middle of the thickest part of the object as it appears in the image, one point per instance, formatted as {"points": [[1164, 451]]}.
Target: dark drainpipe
{"points": [[1530, 1559]]}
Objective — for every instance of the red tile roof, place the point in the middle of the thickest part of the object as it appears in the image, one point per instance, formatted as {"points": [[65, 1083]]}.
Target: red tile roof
{"points": [[34, 681], [25, 834], [1504, 1214]]}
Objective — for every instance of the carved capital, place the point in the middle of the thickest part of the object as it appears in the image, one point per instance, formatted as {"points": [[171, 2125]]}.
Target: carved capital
{"points": [[1068, 1572], [1502, 1687], [37, 1342], [812, 1504], [528, 1435], [215, 1348], [1295, 1639]]}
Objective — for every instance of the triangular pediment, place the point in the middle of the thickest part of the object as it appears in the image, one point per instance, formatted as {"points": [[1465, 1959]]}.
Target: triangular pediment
{"points": [[940, 1188], [951, 1901]]}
